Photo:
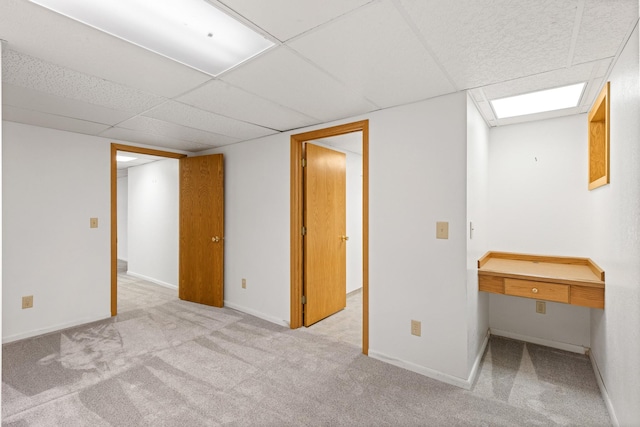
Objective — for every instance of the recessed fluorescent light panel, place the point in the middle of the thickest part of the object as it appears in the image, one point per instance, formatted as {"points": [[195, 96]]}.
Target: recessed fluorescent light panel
{"points": [[192, 32], [538, 102], [120, 158]]}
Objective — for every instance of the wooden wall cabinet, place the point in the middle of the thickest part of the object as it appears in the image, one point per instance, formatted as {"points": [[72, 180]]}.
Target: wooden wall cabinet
{"points": [[576, 281]]}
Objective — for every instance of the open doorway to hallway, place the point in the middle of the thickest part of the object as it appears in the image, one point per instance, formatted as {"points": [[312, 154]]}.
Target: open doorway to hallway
{"points": [[300, 295], [346, 324], [131, 152]]}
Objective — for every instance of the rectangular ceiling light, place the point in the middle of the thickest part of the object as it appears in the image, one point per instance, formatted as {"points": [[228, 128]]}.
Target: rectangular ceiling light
{"points": [[120, 158], [192, 32], [538, 102]]}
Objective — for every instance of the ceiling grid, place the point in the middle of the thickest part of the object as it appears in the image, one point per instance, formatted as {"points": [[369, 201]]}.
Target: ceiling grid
{"points": [[333, 60]]}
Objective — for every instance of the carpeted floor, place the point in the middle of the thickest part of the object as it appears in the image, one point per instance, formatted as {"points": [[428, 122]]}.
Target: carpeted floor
{"points": [[166, 362]]}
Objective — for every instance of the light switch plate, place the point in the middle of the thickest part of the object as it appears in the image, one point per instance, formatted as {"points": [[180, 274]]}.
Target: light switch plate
{"points": [[442, 230], [93, 222]]}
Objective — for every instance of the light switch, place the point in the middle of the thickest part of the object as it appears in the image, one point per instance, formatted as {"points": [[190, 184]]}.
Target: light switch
{"points": [[93, 222], [442, 230]]}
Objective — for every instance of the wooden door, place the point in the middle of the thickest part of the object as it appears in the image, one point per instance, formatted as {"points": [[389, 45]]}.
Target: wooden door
{"points": [[325, 241], [202, 230]]}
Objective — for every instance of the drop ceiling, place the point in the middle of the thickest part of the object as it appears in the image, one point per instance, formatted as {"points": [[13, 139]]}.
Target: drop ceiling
{"points": [[333, 59]]}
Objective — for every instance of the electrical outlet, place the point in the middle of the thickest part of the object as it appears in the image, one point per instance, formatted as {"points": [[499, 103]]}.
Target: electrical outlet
{"points": [[27, 302], [244, 283], [416, 328], [442, 230], [93, 222], [541, 307]]}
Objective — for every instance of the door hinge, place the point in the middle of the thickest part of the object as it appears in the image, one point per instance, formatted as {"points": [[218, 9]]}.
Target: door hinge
{"points": [[303, 162], [303, 231], [303, 300]]}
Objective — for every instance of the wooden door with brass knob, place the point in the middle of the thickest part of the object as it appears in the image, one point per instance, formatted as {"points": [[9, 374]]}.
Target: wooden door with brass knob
{"points": [[202, 230], [325, 240]]}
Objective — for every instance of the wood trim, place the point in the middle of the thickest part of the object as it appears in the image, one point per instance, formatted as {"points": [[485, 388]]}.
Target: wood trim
{"points": [[537, 258], [296, 220], [114, 209], [599, 135]]}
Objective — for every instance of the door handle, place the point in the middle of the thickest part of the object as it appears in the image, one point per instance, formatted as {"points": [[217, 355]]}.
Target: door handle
{"points": [[344, 238], [215, 239]]}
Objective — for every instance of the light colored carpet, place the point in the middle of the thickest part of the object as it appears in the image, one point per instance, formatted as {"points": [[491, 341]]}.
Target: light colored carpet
{"points": [[345, 325], [166, 362]]}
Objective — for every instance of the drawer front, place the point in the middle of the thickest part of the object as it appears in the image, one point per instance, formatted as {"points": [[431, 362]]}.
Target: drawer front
{"points": [[587, 296], [491, 284], [537, 290]]}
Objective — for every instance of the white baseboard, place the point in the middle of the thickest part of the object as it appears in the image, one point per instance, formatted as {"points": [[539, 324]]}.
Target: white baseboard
{"points": [[475, 369], [151, 279], [540, 341], [432, 373], [255, 313], [603, 391], [55, 328], [422, 370]]}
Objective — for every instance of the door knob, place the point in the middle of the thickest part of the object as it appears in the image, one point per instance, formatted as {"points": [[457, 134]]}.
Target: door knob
{"points": [[215, 239], [344, 238]]}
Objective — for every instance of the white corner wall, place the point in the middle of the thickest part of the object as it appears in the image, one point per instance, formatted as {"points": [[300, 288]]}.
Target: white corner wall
{"points": [[123, 217], [53, 182], [418, 160], [153, 229], [257, 227], [539, 204], [614, 228], [478, 239]]}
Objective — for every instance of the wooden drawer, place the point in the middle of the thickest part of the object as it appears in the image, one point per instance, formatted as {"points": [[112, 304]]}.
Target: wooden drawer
{"points": [[537, 290], [493, 284], [587, 296]]}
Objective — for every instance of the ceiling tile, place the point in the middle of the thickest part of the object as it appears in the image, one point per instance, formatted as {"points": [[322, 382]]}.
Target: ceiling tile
{"points": [[480, 42], [171, 130], [287, 79], [221, 98], [41, 33], [604, 24], [285, 19], [128, 135], [31, 99], [32, 73], [186, 115], [36, 118], [371, 49]]}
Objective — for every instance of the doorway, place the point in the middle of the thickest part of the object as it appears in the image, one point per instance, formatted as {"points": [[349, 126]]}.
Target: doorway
{"points": [[115, 148], [297, 212]]}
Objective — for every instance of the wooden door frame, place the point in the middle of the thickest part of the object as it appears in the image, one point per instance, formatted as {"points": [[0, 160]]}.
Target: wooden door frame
{"points": [[114, 209], [297, 215]]}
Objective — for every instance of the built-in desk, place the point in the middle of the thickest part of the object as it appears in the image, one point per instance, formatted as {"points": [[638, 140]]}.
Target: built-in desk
{"points": [[577, 281]]}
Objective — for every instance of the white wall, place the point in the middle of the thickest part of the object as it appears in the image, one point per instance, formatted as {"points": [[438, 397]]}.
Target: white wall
{"points": [[539, 204], [123, 217], [615, 241], [1, 209], [418, 177], [53, 182], [478, 240], [354, 221], [257, 227], [153, 199]]}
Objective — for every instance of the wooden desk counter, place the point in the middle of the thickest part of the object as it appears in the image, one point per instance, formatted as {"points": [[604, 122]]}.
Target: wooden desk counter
{"points": [[577, 281]]}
